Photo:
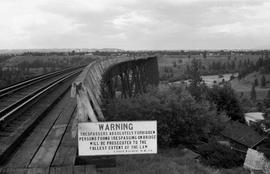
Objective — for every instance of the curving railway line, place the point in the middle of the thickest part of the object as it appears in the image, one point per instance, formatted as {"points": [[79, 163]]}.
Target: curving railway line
{"points": [[24, 105]]}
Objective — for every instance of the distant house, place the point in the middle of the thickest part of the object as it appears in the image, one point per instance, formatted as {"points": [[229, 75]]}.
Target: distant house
{"points": [[241, 136]]}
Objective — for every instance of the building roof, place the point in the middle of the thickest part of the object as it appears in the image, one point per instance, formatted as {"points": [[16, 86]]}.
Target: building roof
{"points": [[253, 116], [241, 134]]}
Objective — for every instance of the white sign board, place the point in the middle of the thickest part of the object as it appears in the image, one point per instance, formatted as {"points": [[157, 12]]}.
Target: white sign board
{"points": [[117, 138], [254, 160]]}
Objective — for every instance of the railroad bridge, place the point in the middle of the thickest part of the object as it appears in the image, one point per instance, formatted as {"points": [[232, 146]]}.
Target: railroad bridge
{"points": [[38, 117], [100, 81]]}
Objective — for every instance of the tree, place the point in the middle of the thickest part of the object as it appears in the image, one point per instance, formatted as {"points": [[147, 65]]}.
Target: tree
{"points": [[259, 63], [233, 65], [187, 71], [256, 82], [266, 101], [204, 54], [248, 62], [232, 77], [194, 71], [174, 64], [263, 81], [253, 94], [239, 64], [226, 101], [224, 66], [195, 87]]}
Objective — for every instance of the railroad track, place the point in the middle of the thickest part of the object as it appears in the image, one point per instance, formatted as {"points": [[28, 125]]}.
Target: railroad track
{"points": [[26, 103], [12, 97], [13, 88]]}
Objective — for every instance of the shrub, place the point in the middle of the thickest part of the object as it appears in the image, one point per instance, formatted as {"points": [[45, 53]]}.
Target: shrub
{"points": [[253, 94], [217, 155], [263, 81], [256, 83]]}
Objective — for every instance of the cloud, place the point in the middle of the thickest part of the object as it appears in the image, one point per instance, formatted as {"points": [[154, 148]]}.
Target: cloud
{"points": [[131, 19], [134, 24]]}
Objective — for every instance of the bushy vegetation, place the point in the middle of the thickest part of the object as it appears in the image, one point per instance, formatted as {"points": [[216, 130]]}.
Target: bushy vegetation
{"points": [[267, 100], [4, 57], [223, 96], [226, 101], [169, 161], [262, 65], [220, 156], [181, 119], [11, 76]]}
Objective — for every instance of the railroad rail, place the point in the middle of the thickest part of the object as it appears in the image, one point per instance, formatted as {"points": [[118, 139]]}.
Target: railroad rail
{"points": [[18, 86], [19, 118], [17, 96]]}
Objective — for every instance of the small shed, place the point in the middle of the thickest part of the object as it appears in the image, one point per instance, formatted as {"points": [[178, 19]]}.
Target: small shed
{"points": [[251, 117]]}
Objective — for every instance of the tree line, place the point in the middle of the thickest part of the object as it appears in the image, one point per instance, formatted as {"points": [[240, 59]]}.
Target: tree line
{"points": [[27, 69]]}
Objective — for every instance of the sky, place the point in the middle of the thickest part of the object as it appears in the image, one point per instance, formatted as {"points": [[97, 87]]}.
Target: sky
{"points": [[135, 24]]}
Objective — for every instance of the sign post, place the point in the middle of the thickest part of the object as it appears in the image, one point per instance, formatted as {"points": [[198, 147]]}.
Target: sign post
{"points": [[117, 138]]}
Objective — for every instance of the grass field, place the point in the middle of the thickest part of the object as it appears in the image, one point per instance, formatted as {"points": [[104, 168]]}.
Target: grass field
{"points": [[168, 60], [244, 85], [179, 63], [170, 161]]}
